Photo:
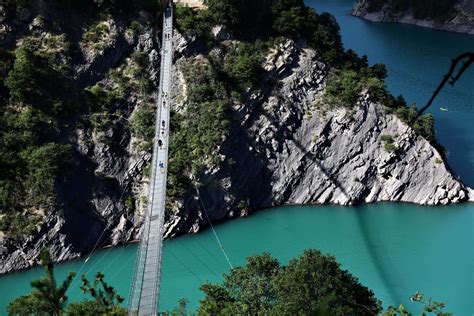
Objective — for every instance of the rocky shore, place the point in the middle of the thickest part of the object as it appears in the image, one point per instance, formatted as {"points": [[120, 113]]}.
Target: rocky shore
{"points": [[282, 148], [461, 22]]}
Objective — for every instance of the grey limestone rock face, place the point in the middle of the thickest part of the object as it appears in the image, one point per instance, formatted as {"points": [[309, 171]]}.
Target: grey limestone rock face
{"points": [[462, 22], [284, 150]]}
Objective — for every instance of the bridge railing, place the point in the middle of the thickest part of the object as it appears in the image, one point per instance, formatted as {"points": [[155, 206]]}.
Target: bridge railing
{"points": [[144, 293]]}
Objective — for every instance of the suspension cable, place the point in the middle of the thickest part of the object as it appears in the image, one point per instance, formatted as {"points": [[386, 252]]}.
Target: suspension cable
{"points": [[213, 230]]}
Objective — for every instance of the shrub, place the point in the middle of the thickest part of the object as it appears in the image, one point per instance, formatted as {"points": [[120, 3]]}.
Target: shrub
{"points": [[194, 22], [35, 106], [129, 203], [100, 99], [243, 64], [143, 126], [343, 88], [197, 133], [15, 4], [33, 80], [19, 224], [388, 143], [43, 167]]}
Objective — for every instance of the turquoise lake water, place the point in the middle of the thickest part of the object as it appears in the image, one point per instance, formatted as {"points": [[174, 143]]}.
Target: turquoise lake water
{"points": [[394, 249]]}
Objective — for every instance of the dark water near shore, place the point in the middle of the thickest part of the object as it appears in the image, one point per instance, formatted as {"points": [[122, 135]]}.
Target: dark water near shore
{"points": [[394, 249]]}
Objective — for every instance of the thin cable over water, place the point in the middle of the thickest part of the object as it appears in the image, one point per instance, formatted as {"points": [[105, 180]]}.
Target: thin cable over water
{"points": [[218, 259], [198, 259], [213, 230], [87, 259], [185, 266], [94, 249]]}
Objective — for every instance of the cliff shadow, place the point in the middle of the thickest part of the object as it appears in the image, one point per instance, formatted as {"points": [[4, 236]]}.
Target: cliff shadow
{"points": [[83, 225], [383, 271]]}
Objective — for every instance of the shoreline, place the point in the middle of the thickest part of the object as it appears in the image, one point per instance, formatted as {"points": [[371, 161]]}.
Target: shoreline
{"points": [[108, 247], [431, 28], [463, 23]]}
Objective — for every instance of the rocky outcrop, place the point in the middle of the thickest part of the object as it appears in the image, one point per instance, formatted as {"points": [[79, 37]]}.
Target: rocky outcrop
{"points": [[108, 167], [285, 150], [461, 22], [282, 148]]}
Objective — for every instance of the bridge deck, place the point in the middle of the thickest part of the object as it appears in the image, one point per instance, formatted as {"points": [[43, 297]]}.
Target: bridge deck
{"points": [[145, 287]]}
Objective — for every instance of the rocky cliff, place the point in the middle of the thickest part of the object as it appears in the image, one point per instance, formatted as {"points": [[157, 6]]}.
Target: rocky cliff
{"points": [[109, 161], [462, 21], [284, 150], [282, 147]]}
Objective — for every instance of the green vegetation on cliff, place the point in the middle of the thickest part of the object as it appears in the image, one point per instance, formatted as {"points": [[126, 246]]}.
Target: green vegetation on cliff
{"points": [[198, 132], [251, 20], [422, 9], [35, 102], [222, 80], [42, 104], [255, 27]]}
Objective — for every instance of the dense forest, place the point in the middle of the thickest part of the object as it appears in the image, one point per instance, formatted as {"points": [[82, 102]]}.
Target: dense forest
{"points": [[422, 9]]}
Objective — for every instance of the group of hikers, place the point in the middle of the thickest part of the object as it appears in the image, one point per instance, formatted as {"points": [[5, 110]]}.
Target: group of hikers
{"points": [[164, 97]]}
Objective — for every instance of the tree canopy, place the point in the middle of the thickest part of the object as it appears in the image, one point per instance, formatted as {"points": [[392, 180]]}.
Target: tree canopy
{"points": [[311, 283]]}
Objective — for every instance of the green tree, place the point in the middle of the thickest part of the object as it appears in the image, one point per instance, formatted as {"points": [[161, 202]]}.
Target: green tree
{"points": [[343, 88], [240, 15], [47, 297], [311, 283], [312, 278], [105, 300]]}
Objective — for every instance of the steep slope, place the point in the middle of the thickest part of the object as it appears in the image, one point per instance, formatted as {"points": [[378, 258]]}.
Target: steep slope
{"points": [[283, 149], [114, 64]]}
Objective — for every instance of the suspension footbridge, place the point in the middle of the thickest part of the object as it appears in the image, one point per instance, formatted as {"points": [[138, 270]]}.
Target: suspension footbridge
{"points": [[146, 281]]}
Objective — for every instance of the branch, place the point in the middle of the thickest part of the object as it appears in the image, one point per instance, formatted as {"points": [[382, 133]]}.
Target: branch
{"points": [[450, 78]]}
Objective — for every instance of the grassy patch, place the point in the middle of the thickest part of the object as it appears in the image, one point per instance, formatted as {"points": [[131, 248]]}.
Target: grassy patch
{"points": [[388, 143]]}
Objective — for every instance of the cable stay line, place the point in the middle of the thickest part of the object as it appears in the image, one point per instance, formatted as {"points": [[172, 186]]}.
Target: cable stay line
{"points": [[87, 259], [213, 230], [185, 266], [198, 259], [208, 251]]}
